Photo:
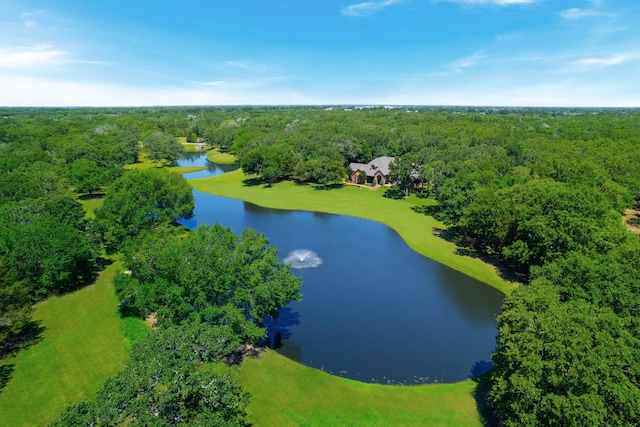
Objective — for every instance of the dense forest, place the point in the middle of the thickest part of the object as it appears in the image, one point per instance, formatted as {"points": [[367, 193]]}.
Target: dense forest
{"points": [[538, 192]]}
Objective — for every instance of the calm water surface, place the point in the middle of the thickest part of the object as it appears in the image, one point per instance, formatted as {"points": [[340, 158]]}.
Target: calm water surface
{"points": [[373, 310]]}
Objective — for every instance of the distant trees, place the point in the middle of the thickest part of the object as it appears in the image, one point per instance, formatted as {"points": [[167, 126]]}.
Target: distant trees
{"points": [[159, 146], [271, 162], [87, 176]]}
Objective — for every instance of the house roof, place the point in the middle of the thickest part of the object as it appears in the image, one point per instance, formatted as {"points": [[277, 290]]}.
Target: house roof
{"points": [[380, 164]]}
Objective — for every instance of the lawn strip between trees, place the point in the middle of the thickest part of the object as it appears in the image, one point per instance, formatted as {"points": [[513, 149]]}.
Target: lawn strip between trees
{"points": [[82, 345], [286, 393], [417, 230]]}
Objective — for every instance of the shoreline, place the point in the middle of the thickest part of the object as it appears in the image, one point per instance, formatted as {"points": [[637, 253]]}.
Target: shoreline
{"points": [[371, 205]]}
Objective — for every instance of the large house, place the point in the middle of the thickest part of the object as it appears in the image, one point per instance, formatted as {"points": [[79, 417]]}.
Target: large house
{"points": [[375, 172]]}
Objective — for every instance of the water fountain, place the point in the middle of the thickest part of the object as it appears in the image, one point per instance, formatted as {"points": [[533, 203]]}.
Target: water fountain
{"points": [[303, 258]]}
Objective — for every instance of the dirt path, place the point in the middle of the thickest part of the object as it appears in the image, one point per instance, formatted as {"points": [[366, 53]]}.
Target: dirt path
{"points": [[631, 219]]}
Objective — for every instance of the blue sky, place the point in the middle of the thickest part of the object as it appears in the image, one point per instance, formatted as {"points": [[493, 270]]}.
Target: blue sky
{"points": [[238, 52]]}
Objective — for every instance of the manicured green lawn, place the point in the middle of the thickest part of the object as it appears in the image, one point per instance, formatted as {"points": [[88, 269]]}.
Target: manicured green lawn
{"points": [[223, 158], [416, 229], [285, 393], [82, 345]]}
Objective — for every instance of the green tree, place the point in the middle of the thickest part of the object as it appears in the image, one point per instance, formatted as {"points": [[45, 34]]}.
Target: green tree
{"points": [[162, 384], [163, 147], [404, 171], [210, 274], [142, 199], [536, 222], [325, 170], [456, 194], [15, 305], [86, 175], [48, 244], [564, 363], [270, 162]]}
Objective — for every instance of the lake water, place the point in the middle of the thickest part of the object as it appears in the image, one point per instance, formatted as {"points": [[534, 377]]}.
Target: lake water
{"points": [[372, 310]]}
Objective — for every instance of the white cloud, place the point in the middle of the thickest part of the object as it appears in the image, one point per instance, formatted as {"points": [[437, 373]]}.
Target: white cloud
{"points": [[31, 56], [562, 93], [237, 64], [461, 64], [608, 61], [19, 90], [246, 65], [29, 91], [242, 84], [367, 8], [575, 13], [216, 83], [28, 21], [495, 2]]}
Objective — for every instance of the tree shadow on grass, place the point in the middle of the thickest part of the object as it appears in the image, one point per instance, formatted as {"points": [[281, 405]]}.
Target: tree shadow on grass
{"points": [[335, 186], [90, 276], [103, 263], [252, 182], [29, 335], [465, 245], [6, 371], [394, 193], [91, 196], [482, 375], [429, 210]]}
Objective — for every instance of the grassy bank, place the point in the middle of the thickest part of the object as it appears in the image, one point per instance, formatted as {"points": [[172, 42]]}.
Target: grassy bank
{"points": [[417, 230], [285, 393], [83, 343], [223, 158]]}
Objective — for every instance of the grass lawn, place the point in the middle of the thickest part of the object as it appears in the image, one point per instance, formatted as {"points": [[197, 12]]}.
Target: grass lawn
{"points": [[145, 163], [285, 393], [82, 345], [416, 229], [222, 158], [91, 204]]}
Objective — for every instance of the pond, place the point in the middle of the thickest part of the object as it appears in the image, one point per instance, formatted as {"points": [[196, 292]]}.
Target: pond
{"points": [[373, 310], [200, 159]]}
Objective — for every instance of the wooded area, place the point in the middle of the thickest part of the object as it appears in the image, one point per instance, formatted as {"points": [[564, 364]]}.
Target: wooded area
{"points": [[539, 192]]}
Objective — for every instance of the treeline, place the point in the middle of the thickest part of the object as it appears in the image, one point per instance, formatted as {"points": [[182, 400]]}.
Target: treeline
{"points": [[540, 191], [209, 290]]}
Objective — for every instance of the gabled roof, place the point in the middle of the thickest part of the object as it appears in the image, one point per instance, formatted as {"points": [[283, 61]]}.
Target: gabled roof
{"points": [[380, 164]]}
